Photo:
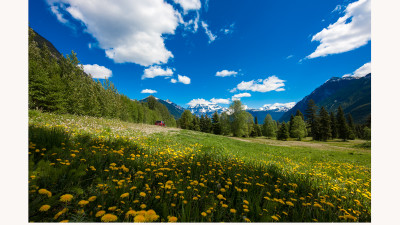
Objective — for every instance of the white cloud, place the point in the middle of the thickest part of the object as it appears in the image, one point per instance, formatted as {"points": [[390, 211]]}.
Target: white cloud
{"points": [[183, 79], [241, 95], [220, 101], [225, 73], [128, 31], [173, 81], [156, 71], [148, 91], [193, 24], [351, 31], [211, 36], [290, 56], [228, 30], [188, 5], [54, 9], [361, 72], [199, 101], [96, 71], [271, 83]]}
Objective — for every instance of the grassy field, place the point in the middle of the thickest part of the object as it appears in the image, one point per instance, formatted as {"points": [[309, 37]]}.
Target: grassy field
{"points": [[93, 169]]}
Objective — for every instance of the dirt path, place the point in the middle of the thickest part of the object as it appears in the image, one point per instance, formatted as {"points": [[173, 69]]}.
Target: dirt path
{"points": [[149, 129], [317, 145]]}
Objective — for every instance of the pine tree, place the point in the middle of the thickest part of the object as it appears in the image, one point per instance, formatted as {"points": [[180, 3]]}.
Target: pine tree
{"points": [[186, 120], [257, 127], [269, 127], [352, 130], [313, 120], [325, 124], [202, 123], [343, 129], [283, 133], [298, 113], [333, 126], [299, 129], [216, 124], [208, 124], [290, 124], [195, 123]]}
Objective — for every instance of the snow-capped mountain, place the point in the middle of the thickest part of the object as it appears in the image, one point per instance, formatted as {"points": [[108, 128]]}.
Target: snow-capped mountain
{"points": [[278, 107], [206, 109]]}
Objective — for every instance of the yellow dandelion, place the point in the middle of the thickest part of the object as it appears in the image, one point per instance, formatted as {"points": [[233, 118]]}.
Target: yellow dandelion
{"points": [[195, 198], [246, 210], [64, 221], [130, 213], [289, 203], [142, 194], [139, 219], [125, 195], [204, 214], [245, 202], [233, 210], [247, 220], [275, 218], [100, 213], [66, 198], [172, 219], [224, 206], [44, 208], [112, 208], [245, 190], [109, 218], [93, 198], [158, 197], [83, 203], [143, 206], [220, 197]]}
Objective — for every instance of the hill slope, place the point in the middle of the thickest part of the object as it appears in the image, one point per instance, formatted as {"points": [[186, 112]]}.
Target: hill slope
{"points": [[353, 94]]}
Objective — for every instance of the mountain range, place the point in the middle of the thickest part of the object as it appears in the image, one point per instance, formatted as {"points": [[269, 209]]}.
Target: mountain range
{"points": [[353, 94]]}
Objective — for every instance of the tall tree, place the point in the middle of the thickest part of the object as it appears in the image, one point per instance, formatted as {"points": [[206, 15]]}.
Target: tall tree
{"points": [[333, 126], [239, 119], [208, 124], [343, 129], [186, 119], [352, 129], [216, 124], [313, 120], [299, 129], [290, 124], [257, 127], [325, 124], [269, 127], [225, 124], [298, 113], [283, 133]]}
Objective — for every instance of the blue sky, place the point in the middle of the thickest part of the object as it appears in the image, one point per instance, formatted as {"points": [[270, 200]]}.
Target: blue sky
{"points": [[265, 51]]}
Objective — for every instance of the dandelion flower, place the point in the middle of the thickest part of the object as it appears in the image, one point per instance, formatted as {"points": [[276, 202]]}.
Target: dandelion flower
{"points": [[245, 202], [66, 198], [224, 206], [158, 197], [289, 203], [233, 210], [44, 208], [100, 213], [142, 194], [125, 195], [172, 219], [139, 219], [64, 221], [143, 206], [109, 218], [275, 218], [204, 214], [112, 208], [83, 203], [93, 198]]}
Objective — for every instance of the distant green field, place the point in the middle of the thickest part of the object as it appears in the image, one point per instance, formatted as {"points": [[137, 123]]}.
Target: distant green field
{"points": [[118, 171]]}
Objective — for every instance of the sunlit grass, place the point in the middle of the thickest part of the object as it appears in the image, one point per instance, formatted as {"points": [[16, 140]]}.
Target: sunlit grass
{"points": [[93, 170]]}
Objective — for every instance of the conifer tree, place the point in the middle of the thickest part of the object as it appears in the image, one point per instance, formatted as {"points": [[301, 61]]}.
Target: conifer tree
{"points": [[195, 123], [186, 120], [333, 126], [283, 133], [343, 129], [257, 127], [313, 120], [325, 124], [290, 124], [352, 130], [216, 124], [208, 124], [298, 113]]}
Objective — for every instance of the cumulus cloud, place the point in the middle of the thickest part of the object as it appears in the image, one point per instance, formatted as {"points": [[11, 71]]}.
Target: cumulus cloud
{"points": [[211, 36], [225, 73], [271, 83], [183, 79], [148, 91], [220, 101], [349, 32], [241, 95], [188, 5], [96, 71], [290, 56], [128, 31], [55, 10], [156, 71], [361, 72], [173, 81]]}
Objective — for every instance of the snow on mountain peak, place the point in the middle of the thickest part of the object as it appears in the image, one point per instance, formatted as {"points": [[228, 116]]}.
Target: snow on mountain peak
{"points": [[278, 107]]}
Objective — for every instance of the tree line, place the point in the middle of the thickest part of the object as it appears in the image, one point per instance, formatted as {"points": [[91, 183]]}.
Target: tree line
{"points": [[59, 85], [318, 124]]}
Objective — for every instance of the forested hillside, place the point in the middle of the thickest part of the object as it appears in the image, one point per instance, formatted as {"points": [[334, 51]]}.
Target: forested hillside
{"points": [[58, 84]]}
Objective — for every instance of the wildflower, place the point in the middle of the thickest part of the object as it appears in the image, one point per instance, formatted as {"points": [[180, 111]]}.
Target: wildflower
{"points": [[233, 210], [139, 219], [66, 198], [109, 218], [83, 203], [60, 213], [112, 208], [100, 213], [45, 192], [172, 219], [142, 194], [245, 202], [130, 213], [44, 208], [125, 195], [185, 202], [93, 198], [204, 214], [275, 218], [246, 210], [173, 205], [158, 197], [220, 197], [247, 220], [195, 198], [222, 190], [224, 206], [143, 206], [289, 203]]}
